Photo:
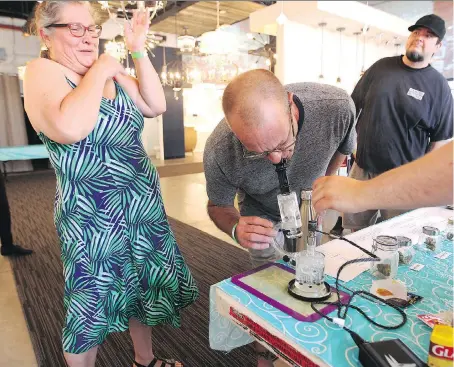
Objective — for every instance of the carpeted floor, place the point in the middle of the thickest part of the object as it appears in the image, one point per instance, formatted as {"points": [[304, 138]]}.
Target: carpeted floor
{"points": [[40, 285]]}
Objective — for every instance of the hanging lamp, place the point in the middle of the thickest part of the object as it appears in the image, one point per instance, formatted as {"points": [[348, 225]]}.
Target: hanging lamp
{"points": [[364, 32], [218, 42], [281, 19], [397, 44], [339, 80], [164, 67], [357, 34], [186, 43], [321, 76]]}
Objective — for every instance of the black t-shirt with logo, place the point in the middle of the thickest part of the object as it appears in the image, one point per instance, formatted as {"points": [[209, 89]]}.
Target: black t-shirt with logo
{"points": [[401, 111]]}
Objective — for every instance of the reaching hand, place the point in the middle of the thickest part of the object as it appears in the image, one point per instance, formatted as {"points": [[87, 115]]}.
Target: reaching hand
{"points": [[339, 193], [136, 30], [255, 232], [109, 66]]}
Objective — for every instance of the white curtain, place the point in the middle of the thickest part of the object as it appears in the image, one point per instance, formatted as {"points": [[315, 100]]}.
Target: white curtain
{"points": [[12, 121]]}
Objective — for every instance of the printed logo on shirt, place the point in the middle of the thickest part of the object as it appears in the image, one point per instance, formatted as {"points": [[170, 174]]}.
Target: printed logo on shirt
{"points": [[415, 94]]}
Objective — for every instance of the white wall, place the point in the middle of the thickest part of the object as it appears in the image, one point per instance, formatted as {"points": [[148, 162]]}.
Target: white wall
{"points": [[408, 10], [150, 136], [202, 110], [299, 47], [19, 49]]}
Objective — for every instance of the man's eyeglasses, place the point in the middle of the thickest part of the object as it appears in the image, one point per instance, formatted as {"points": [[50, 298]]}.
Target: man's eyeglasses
{"points": [[79, 30], [255, 155]]}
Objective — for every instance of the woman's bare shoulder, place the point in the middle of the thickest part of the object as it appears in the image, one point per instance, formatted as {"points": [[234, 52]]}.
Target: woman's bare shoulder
{"points": [[41, 71], [42, 63]]}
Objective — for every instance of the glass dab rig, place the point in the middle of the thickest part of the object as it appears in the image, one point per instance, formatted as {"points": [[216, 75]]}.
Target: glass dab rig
{"points": [[297, 239]]}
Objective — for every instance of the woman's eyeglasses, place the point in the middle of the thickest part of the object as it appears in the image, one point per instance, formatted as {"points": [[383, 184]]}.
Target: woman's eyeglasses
{"points": [[255, 155], [79, 30]]}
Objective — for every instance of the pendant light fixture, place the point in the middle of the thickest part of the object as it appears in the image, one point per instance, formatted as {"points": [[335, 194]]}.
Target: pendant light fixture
{"points": [[177, 75], [164, 67], [172, 72], [380, 43], [397, 45], [321, 76], [364, 31], [386, 45], [281, 19], [340, 30], [356, 34], [186, 43], [219, 41]]}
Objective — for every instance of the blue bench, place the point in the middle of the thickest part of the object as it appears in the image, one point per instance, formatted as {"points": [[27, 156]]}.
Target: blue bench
{"points": [[22, 153]]}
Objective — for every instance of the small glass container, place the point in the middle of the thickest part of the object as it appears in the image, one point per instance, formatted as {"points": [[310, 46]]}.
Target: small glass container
{"points": [[429, 240], [386, 248], [406, 250], [449, 231], [310, 267]]}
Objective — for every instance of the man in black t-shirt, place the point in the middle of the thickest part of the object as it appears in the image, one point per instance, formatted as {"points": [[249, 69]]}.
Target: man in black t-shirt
{"points": [[404, 108]]}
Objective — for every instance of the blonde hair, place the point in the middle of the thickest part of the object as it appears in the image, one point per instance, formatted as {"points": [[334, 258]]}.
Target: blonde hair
{"points": [[47, 13], [247, 91]]}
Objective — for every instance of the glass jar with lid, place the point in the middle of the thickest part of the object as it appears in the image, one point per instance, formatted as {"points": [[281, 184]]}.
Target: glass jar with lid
{"points": [[386, 248], [406, 250], [449, 231], [429, 240]]}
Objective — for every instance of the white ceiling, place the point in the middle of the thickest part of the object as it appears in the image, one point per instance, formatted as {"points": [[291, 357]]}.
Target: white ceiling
{"points": [[350, 15], [408, 10]]}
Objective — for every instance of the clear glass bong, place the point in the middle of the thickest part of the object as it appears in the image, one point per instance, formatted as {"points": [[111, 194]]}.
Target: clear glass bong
{"points": [[298, 239]]}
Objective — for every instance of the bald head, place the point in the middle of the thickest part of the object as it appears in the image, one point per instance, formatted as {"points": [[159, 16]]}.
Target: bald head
{"points": [[256, 107], [246, 95]]}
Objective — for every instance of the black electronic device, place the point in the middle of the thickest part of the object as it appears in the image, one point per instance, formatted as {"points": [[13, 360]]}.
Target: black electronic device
{"points": [[388, 353]]}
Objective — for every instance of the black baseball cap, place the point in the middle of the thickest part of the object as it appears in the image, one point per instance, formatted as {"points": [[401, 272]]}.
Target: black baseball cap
{"points": [[432, 22]]}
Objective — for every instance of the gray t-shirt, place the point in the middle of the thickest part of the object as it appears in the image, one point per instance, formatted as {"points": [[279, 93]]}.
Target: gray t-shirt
{"points": [[329, 116]]}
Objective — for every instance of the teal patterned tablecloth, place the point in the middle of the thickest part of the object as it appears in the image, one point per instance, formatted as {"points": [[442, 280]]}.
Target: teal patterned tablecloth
{"points": [[329, 342]]}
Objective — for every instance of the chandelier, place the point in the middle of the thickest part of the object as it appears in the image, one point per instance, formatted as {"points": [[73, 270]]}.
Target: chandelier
{"points": [[126, 8], [266, 51], [154, 40], [222, 74], [207, 61], [116, 49], [209, 69], [193, 73], [172, 75], [218, 42], [186, 43]]}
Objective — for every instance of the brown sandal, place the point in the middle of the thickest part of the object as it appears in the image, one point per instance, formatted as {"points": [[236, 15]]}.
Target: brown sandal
{"points": [[167, 363]]}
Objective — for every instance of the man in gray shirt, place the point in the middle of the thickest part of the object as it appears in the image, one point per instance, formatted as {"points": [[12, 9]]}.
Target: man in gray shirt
{"points": [[310, 124]]}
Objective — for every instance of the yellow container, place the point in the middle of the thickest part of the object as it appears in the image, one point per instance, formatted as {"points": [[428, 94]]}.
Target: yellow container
{"points": [[441, 347]]}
